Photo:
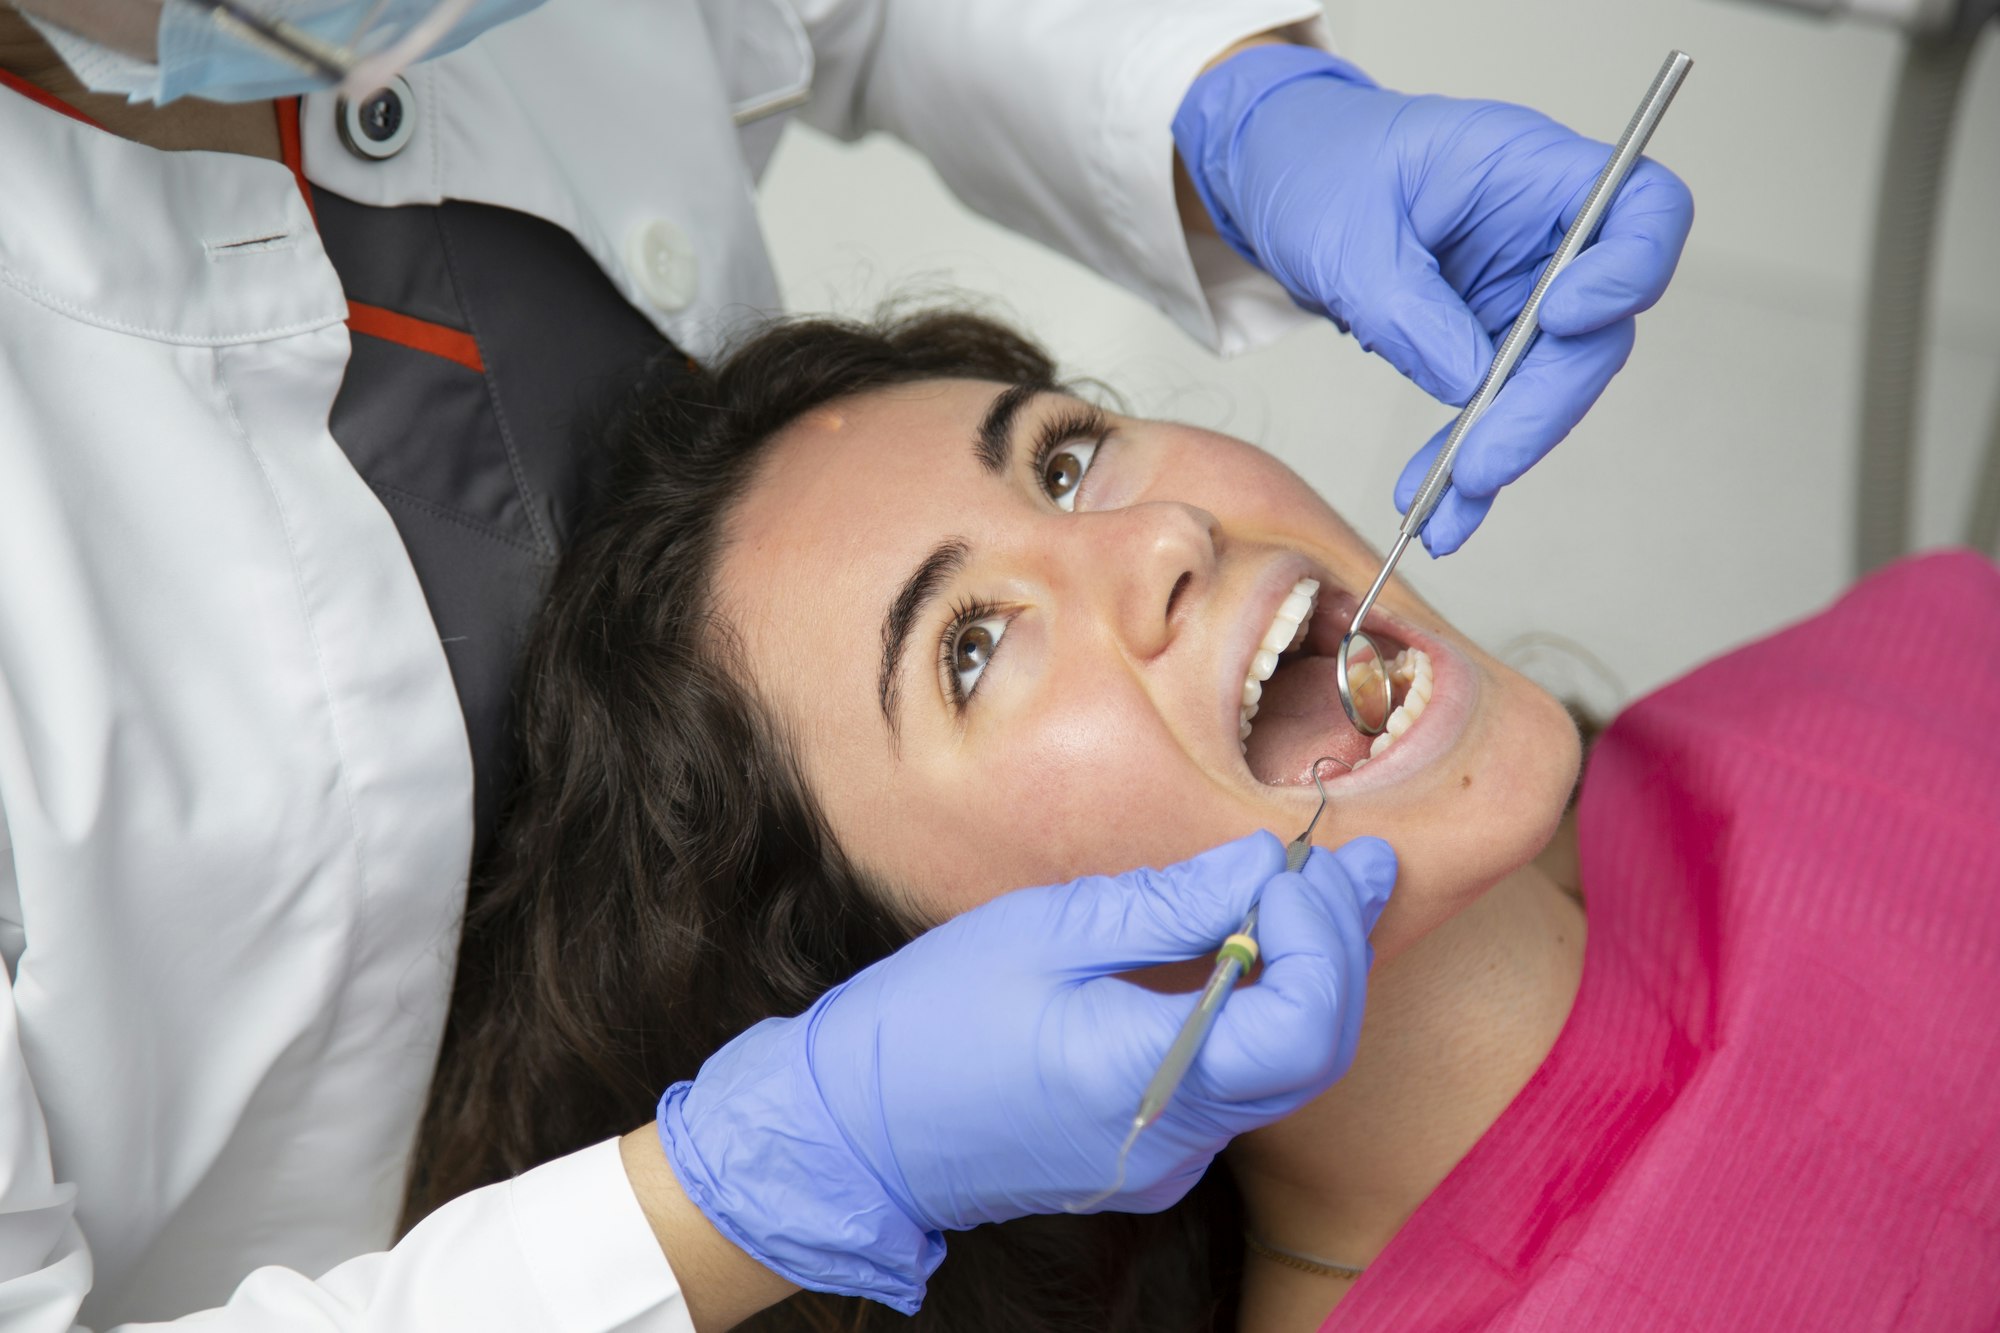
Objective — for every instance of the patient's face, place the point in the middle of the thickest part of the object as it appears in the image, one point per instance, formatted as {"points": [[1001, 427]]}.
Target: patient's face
{"points": [[1011, 637]]}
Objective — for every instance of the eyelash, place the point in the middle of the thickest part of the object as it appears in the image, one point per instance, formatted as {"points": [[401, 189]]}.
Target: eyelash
{"points": [[1077, 421], [964, 615]]}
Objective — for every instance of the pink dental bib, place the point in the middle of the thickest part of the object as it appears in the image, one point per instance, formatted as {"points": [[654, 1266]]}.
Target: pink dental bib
{"points": [[1776, 1103]]}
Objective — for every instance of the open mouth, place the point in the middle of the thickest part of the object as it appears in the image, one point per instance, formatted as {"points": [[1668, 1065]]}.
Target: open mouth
{"points": [[1291, 713]]}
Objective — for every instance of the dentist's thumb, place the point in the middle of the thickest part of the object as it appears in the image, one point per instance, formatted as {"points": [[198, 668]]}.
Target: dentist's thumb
{"points": [[1292, 1034], [1370, 865]]}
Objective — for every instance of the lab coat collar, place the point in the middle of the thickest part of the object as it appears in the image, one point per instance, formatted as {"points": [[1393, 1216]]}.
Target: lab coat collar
{"points": [[196, 248], [603, 117]]}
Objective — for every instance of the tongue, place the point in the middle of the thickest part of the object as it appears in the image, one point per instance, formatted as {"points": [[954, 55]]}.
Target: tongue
{"points": [[1298, 720]]}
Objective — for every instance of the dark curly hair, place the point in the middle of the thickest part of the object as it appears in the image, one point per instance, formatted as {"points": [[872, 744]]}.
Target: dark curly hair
{"points": [[660, 835]]}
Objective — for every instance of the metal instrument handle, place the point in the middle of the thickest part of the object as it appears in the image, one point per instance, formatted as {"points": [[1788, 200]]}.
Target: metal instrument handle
{"points": [[1188, 1044], [1521, 336]]}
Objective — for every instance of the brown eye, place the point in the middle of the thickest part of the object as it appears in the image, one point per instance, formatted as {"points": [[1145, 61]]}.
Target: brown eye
{"points": [[1064, 471], [972, 649]]}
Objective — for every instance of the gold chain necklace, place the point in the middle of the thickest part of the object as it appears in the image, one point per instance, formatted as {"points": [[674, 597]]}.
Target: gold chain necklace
{"points": [[1305, 1263]]}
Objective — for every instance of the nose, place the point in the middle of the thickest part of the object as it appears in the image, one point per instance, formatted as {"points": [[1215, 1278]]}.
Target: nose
{"points": [[1154, 561]]}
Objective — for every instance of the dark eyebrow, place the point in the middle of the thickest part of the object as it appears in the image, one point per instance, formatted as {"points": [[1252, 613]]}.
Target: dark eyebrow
{"points": [[917, 590], [995, 440], [993, 445]]}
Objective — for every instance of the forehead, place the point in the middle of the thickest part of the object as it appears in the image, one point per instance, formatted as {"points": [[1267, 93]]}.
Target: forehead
{"points": [[854, 471], [846, 501]]}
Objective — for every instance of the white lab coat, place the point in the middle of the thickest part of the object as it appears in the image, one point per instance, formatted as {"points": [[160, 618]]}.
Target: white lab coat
{"points": [[235, 797]]}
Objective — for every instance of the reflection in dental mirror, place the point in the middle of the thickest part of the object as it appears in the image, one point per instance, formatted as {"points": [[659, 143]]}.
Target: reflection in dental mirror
{"points": [[1363, 677]]}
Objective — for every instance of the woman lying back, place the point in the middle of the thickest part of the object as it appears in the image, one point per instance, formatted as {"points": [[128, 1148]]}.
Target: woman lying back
{"points": [[885, 621]]}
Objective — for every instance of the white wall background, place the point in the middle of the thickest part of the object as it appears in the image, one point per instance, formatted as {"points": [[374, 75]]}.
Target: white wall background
{"points": [[1706, 499]]}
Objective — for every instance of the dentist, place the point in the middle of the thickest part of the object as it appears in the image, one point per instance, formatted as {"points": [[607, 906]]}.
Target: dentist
{"points": [[291, 389]]}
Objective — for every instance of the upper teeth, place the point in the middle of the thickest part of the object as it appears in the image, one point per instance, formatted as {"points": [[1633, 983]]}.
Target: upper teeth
{"points": [[1287, 631]]}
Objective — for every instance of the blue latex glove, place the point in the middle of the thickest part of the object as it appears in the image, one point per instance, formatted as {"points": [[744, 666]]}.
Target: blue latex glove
{"points": [[990, 1069], [1420, 224]]}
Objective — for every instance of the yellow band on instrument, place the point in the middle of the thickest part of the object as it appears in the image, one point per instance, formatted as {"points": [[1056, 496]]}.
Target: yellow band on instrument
{"points": [[1240, 947]]}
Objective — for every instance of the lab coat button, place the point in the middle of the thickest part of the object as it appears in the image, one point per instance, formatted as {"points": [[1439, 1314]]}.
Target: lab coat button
{"points": [[662, 260], [379, 125]]}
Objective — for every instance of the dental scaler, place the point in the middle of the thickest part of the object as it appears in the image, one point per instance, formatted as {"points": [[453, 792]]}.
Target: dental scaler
{"points": [[1236, 956]]}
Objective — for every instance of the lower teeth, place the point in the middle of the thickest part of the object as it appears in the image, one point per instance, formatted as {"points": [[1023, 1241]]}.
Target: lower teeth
{"points": [[1412, 670], [1408, 668]]}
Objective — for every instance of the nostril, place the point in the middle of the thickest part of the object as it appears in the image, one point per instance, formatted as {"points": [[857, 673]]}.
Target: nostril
{"points": [[1174, 597]]}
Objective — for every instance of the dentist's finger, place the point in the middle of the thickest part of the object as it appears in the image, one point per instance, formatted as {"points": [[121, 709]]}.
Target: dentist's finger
{"points": [[1418, 468], [1400, 307], [1454, 521], [1370, 864], [1111, 924], [1556, 384], [1293, 1033], [1627, 268]]}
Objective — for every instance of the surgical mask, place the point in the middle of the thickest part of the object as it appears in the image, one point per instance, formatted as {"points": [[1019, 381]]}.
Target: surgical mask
{"points": [[250, 50]]}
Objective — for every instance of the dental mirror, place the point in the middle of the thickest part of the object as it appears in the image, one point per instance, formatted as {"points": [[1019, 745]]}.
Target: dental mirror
{"points": [[1362, 674]]}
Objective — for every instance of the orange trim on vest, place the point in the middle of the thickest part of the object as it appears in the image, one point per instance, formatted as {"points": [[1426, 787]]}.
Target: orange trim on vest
{"points": [[373, 320], [420, 334], [292, 151], [47, 99]]}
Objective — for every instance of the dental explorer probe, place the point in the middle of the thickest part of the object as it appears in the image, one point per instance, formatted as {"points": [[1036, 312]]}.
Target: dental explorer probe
{"points": [[1232, 960], [1520, 337]]}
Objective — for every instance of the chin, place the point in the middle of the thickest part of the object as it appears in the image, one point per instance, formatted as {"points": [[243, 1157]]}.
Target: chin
{"points": [[1494, 816]]}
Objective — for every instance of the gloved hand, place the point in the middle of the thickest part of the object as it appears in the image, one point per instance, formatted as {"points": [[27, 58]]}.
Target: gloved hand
{"points": [[990, 1068], [1420, 224]]}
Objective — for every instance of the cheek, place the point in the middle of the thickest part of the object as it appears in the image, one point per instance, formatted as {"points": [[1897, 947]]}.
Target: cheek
{"points": [[1488, 810], [1086, 785]]}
